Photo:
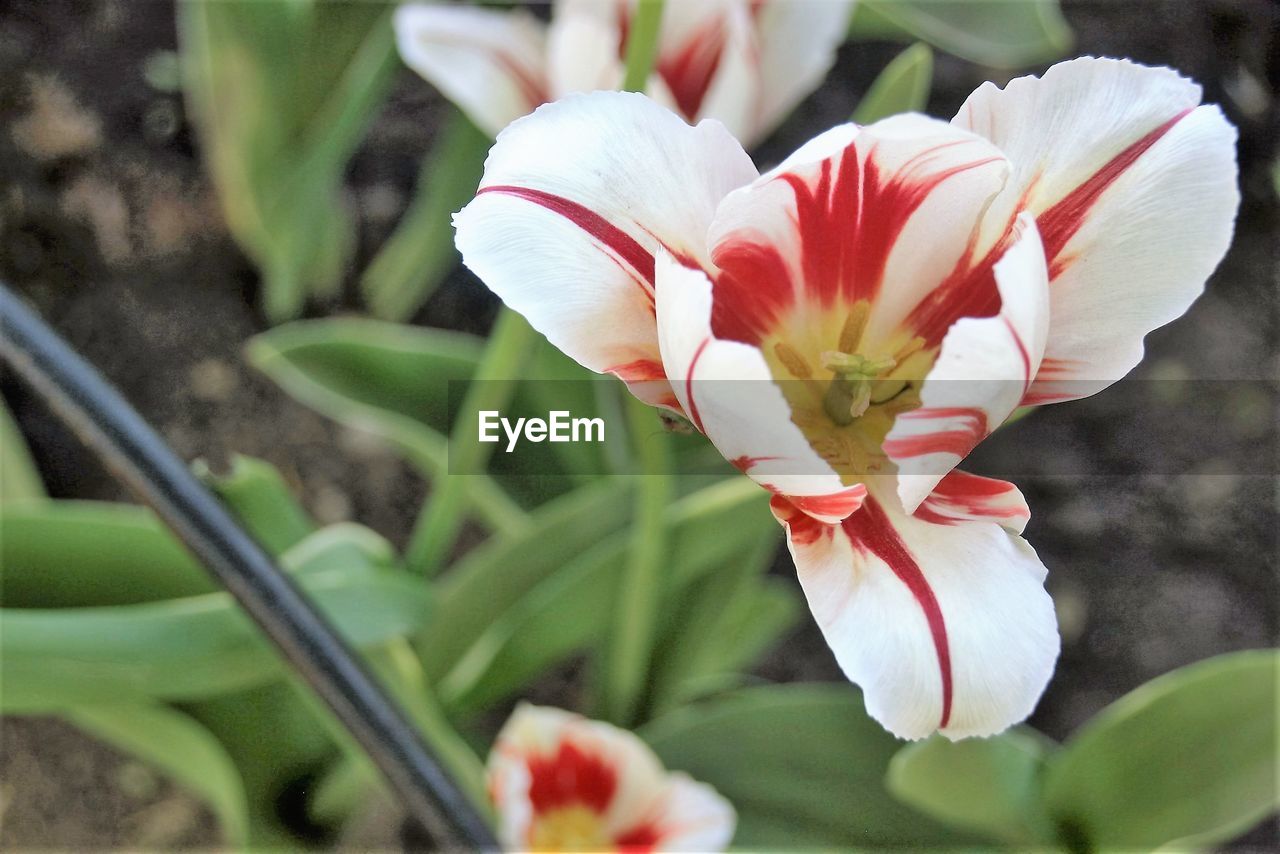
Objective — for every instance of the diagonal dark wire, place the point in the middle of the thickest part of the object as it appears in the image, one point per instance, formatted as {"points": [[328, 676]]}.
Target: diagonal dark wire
{"points": [[118, 435]]}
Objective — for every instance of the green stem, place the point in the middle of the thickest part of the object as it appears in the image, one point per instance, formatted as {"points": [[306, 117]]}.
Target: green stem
{"points": [[491, 388], [629, 649], [642, 44]]}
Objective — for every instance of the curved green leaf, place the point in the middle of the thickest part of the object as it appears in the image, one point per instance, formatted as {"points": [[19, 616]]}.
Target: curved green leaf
{"points": [[281, 94], [178, 746], [987, 785], [75, 553], [803, 765], [1189, 758], [902, 87], [386, 379], [257, 494], [997, 33], [197, 646]]}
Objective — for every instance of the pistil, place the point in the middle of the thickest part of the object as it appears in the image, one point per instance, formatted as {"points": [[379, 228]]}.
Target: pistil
{"points": [[852, 391]]}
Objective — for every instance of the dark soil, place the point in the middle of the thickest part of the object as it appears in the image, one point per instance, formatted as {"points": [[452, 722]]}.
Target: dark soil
{"points": [[1153, 502]]}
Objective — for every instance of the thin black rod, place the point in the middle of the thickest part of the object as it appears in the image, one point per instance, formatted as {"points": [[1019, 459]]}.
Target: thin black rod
{"points": [[119, 436]]}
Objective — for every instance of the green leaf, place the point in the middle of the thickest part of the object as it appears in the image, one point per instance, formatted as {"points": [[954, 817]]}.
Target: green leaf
{"points": [[178, 746], [722, 623], [990, 786], [196, 646], [257, 494], [996, 33], [281, 94], [494, 576], [902, 87], [803, 766], [420, 252], [19, 477], [386, 379], [280, 737], [1187, 760], [75, 553], [571, 608]]}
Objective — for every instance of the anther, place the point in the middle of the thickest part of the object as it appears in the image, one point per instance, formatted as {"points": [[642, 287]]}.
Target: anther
{"points": [[792, 360]]}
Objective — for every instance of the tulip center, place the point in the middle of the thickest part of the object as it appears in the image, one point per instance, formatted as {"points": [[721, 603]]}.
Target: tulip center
{"points": [[570, 828], [845, 397], [854, 385]]}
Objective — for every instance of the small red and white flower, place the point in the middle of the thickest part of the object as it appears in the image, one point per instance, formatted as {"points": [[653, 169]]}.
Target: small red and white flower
{"points": [[744, 62], [561, 782], [848, 326]]}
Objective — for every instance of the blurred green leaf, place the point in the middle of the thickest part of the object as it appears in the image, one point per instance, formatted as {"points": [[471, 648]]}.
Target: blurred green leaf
{"points": [[61, 554], [496, 575], [420, 252], [802, 764], [19, 477], [178, 746], [902, 87], [260, 499], [195, 646], [996, 33], [570, 609], [282, 93], [280, 738], [386, 379], [722, 623], [989, 786], [1188, 759]]}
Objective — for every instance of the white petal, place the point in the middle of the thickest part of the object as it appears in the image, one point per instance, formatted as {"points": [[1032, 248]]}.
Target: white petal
{"points": [[695, 817], [582, 46], [918, 612], [798, 41], [574, 202], [1134, 188], [982, 373], [490, 64], [733, 94], [726, 389], [882, 213], [964, 497]]}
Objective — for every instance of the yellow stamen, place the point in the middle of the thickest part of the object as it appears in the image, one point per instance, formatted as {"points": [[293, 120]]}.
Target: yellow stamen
{"points": [[792, 360], [854, 325]]}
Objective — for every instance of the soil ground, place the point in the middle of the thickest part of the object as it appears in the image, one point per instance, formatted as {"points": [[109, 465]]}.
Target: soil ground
{"points": [[1153, 503]]}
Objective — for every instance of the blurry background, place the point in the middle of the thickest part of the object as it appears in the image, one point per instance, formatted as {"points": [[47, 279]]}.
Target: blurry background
{"points": [[1153, 503]]}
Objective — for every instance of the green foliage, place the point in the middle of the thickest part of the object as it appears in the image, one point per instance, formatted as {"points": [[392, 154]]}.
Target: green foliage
{"points": [[258, 495], [989, 786], [420, 252], [995, 33], [803, 766], [568, 608], [389, 380], [87, 643], [1187, 760], [19, 477], [902, 87], [282, 93]]}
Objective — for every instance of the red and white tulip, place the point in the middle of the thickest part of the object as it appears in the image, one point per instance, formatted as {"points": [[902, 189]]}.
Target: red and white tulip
{"points": [[744, 62], [561, 782], [848, 326]]}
